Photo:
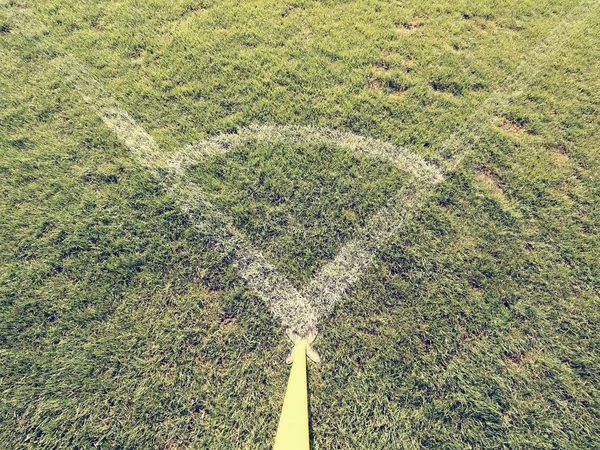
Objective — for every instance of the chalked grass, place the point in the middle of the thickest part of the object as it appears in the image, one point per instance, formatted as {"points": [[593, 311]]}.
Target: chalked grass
{"points": [[121, 326]]}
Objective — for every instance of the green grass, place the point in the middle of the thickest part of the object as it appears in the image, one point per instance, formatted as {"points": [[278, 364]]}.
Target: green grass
{"points": [[122, 327], [299, 222]]}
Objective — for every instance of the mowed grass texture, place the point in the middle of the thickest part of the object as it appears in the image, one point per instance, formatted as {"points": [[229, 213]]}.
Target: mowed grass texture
{"points": [[298, 221], [122, 327]]}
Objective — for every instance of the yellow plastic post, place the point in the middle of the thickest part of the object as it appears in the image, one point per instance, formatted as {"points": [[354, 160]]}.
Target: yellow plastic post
{"points": [[292, 431]]}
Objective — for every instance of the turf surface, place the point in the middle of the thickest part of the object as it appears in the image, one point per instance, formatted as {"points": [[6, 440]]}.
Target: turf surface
{"points": [[122, 327], [299, 222]]}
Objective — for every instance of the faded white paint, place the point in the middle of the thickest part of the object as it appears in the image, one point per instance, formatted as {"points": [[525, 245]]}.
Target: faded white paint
{"points": [[302, 310]]}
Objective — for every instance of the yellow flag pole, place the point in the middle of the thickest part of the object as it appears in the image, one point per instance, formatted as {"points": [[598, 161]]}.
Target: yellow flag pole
{"points": [[292, 431]]}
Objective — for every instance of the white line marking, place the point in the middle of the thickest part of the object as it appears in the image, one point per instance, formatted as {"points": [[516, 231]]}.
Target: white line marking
{"points": [[333, 280], [330, 283], [284, 300], [223, 143], [461, 142], [303, 310], [336, 277]]}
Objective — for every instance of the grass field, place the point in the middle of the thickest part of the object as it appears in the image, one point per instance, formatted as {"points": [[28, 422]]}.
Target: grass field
{"points": [[477, 325]]}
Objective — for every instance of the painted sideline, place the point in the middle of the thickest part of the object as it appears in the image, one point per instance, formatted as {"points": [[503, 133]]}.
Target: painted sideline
{"points": [[303, 310], [284, 300], [463, 141], [337, 276]]}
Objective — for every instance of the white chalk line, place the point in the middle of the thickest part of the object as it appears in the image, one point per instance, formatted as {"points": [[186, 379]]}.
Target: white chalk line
{"points": [[403, 159], [463, 141], [335, 277], [303, 310], [280, 295], [284, 300], [286, 303]]}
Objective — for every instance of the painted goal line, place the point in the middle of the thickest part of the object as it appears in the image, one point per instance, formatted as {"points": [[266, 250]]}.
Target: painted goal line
{"points": [[302, 310]]}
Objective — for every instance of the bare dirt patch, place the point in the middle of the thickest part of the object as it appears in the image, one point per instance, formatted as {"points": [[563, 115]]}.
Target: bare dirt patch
{"points": [[306, 32], [559, 154], [409, 27], [512, 126], [490, 183], [229, 324], [398, 92], [376, 83], [381, 67]]}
